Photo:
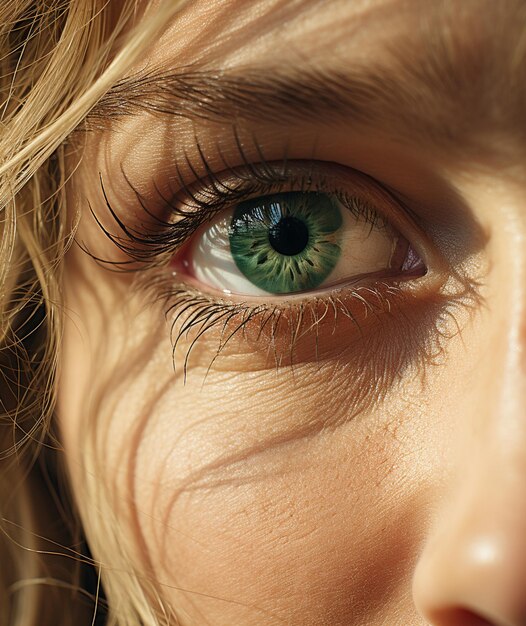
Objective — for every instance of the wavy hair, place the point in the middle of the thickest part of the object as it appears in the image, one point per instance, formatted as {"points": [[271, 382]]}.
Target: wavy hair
{"points": [[57, 59]]}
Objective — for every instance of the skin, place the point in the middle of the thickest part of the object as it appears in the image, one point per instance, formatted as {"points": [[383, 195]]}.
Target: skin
{"points": [[348, 487]]}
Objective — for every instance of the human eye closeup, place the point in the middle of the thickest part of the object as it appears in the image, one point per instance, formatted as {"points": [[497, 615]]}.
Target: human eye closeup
{"points": [[263, 303], [291, 251], [295, 242]]}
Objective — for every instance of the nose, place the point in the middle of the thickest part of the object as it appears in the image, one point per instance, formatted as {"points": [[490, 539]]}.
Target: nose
{"points": [[472, 569]]}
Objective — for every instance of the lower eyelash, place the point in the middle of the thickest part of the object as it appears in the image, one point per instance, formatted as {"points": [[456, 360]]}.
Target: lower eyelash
{"points": [[360, 341], [404, 327]]}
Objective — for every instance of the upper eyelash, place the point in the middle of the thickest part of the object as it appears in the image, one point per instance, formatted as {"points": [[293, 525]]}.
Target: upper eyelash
{"points": [[148, 245], [191, 205]]}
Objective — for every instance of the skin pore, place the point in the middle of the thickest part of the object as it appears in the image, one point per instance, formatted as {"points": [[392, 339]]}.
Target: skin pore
{"points": [[360, 463]]}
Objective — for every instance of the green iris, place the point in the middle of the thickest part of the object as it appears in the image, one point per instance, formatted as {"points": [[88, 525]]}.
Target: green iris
{"points": [[286, 242]]}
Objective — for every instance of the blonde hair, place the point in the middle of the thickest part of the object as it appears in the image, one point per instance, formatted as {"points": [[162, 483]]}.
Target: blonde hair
{"points": [[57, 58]]}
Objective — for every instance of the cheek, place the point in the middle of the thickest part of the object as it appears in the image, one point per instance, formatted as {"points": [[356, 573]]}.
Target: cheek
{"points": [[244, 524], [251, 496]]}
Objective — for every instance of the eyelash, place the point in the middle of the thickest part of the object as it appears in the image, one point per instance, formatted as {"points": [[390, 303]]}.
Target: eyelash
{"points": [[193, 314], [151, 245]]}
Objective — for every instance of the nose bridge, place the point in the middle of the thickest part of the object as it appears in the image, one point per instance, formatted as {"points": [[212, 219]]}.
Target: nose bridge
{"points": [[487, 523], [474, 562], [499, 380], [499, 377], [494, 493], [502, 382]]}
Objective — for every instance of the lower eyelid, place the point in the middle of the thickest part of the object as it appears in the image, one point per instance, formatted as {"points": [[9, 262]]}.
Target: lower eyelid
{"points": [[370, 283], [297, 331]]}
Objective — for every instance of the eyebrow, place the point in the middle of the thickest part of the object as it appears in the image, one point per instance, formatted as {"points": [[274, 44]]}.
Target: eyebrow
{"points": [[435, 98]]}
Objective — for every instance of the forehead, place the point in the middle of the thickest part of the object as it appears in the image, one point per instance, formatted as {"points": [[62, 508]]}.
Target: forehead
{"points": [[448, 71], [239, 31]]}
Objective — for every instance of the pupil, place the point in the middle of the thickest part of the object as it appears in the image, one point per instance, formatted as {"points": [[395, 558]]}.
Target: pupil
{"points": [[289, 236]]}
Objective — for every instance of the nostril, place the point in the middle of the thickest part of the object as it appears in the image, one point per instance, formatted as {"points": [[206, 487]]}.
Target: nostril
{"points": [[460, 617], [467, 618]]}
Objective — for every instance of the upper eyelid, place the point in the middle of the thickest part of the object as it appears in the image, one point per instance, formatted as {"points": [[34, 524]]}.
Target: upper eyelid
{"points": [[215, 191], [302, 174], [272, 173]]}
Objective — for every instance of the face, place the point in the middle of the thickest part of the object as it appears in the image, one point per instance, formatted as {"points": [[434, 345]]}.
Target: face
{"points": [[292, 371]]}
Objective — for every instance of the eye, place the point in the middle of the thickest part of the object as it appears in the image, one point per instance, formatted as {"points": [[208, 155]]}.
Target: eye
{"points": [[294, 242], [285, 260]]}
